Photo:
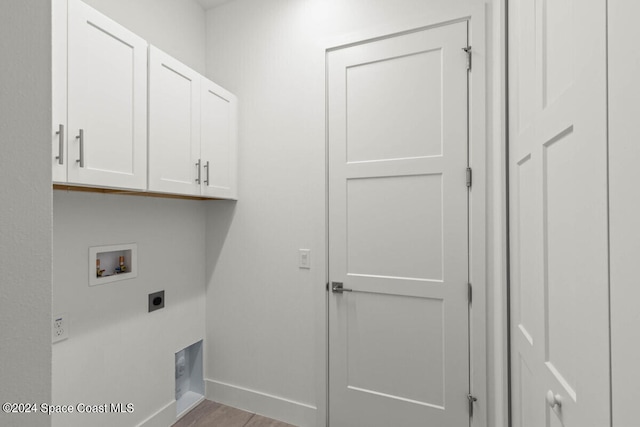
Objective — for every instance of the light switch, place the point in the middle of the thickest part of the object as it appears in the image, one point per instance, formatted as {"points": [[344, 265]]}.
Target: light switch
{"points": [[304, 258]]}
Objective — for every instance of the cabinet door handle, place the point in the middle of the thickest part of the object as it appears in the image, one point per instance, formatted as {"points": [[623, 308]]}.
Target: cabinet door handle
{"points": [[206, 181], [60, 155], [198, 166], [81, 138]]}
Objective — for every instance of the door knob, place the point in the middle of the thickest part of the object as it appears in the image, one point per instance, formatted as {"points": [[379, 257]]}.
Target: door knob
{"points": [[554, 400]]}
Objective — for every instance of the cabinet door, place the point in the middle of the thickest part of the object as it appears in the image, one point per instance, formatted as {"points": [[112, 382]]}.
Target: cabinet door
{"points": [[59, 90], [174, 133], [218, 141], [107, 101]]}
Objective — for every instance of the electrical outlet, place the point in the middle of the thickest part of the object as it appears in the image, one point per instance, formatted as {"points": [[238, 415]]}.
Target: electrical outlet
{"points": [[59, 328], [156, 301]]}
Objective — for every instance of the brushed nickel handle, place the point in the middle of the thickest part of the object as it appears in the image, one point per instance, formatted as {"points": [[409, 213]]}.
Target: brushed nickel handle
{"points": [[338, 287], [81, 138], [206, 181], [60, 155], [199, 172]]}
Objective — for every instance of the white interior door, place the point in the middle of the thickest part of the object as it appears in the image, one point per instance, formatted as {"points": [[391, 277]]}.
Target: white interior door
{"points": [[174, 126], [558, 203], [398, 235], [218, 141], [107, 104]]}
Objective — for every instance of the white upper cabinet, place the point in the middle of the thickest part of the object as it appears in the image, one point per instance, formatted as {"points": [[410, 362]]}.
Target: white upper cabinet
{"points": [[218, 141], [192, 131], [174, 132], [59, 90], [101, 115], [106, 136]]}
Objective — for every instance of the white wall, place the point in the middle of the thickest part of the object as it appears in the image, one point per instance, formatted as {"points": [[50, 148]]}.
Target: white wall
{"points": [[265, 317], [117, 351], [175, 26], [25, 207]]}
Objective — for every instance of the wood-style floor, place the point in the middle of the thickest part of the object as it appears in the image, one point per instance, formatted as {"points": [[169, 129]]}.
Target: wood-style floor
{"points": [[212, 414]]}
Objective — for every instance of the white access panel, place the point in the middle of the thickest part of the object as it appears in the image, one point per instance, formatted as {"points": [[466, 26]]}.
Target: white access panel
{"points": [[189, 378], [107, 102]]}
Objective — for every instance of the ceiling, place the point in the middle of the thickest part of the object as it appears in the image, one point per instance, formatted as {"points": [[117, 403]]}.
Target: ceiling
{"points": [[209, 4]]}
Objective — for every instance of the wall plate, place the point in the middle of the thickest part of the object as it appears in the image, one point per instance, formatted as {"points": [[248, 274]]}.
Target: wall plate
{"points": [[59, 327], [156, 301], [304, 258]]}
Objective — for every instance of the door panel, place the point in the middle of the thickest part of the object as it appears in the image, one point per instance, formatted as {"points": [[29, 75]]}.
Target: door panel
{"points": [[109, 59], [374, 90], [174, 134], [218, 141], [557, 63], [381, 243], [563, 238], [558, 211], [527, 264], [398, 235], [374, 364], [107, 100], [525, 386]]}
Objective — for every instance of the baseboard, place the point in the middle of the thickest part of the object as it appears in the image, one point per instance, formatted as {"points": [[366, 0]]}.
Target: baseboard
{"points": [[289, 411], [163, 418]]}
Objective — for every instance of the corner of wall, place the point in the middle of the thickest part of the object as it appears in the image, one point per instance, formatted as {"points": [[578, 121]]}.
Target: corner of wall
{"points": [[25, 207]]}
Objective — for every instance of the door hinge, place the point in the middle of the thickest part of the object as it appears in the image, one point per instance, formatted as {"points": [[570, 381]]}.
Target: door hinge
{"points": [[467, 50], [469, 292], [469, 177], [471, 399]]}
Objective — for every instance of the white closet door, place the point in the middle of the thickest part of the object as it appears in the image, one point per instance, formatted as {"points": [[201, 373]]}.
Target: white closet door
{"points": [[218, 141], [107, 133], [558, 176], [174, 132]]}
